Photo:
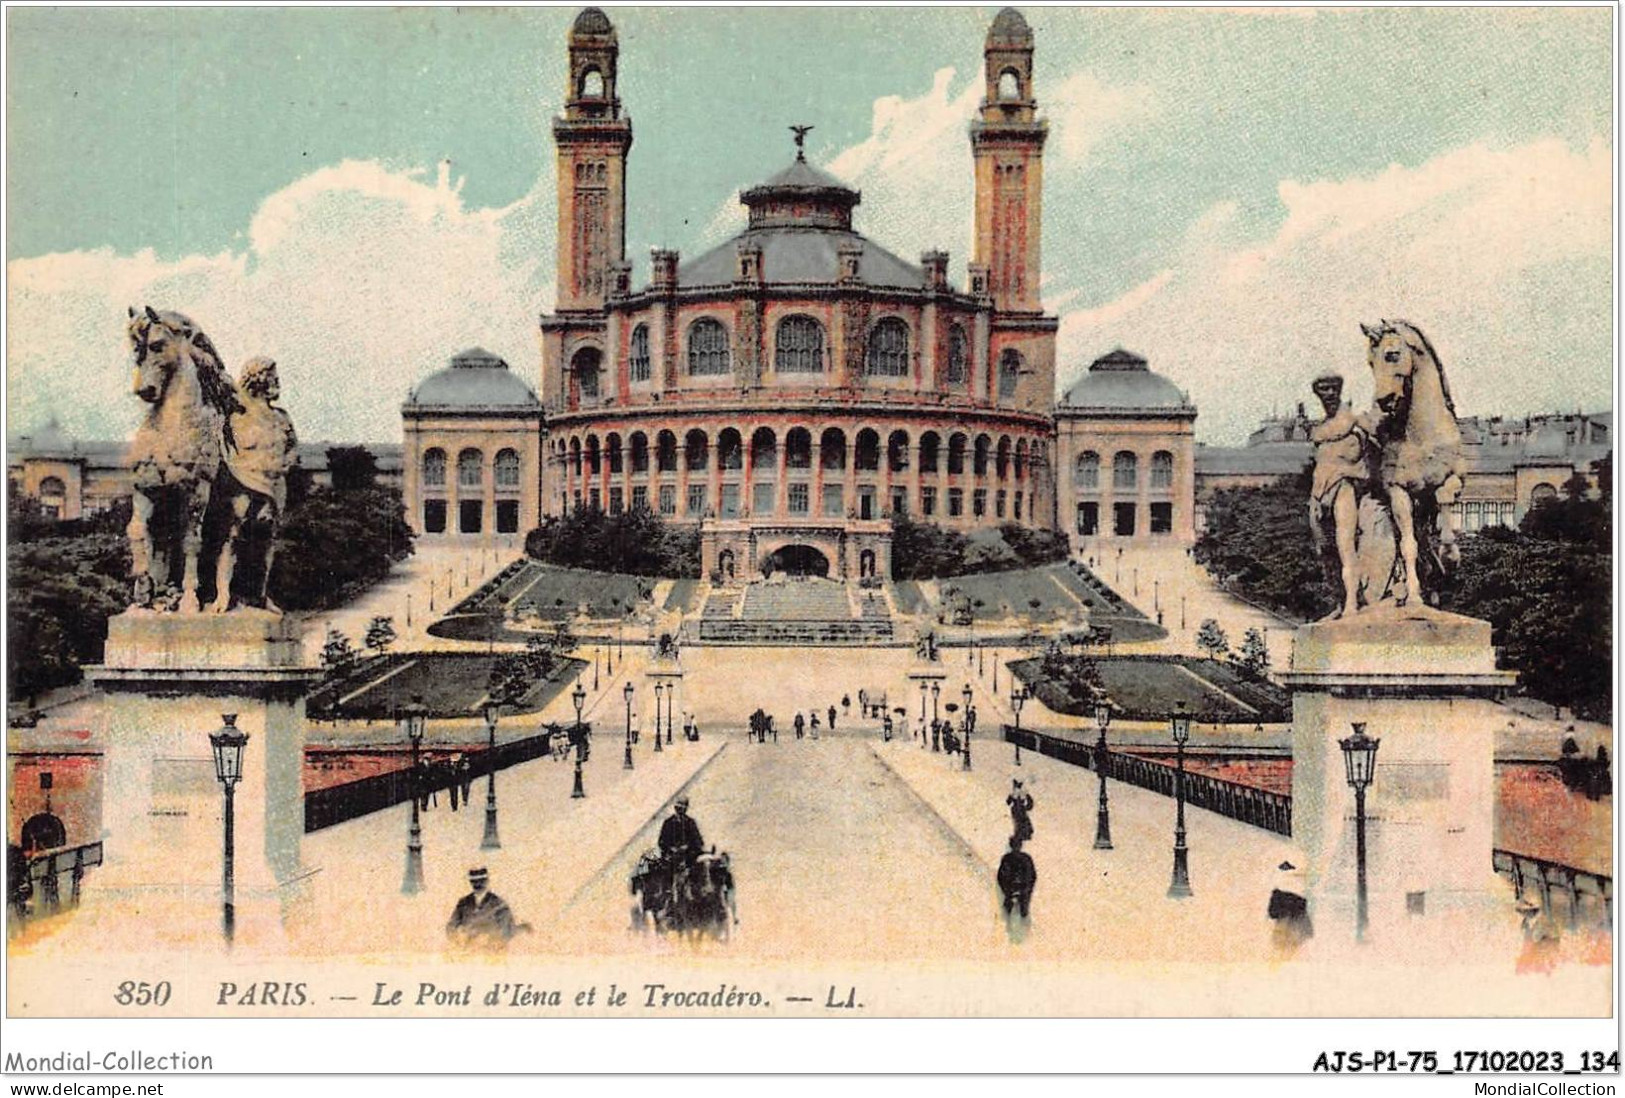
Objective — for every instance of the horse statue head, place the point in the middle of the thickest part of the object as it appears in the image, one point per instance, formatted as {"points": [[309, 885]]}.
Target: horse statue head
{"points": [[1405, 369], [162, 344]]}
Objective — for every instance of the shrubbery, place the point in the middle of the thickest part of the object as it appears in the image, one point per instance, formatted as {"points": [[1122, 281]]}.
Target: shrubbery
{"points": [[923, 550], [634, 542]]}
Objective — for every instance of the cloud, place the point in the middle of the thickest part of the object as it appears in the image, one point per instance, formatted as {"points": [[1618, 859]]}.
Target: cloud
{"points": [[1502, 255], [359, 279]]}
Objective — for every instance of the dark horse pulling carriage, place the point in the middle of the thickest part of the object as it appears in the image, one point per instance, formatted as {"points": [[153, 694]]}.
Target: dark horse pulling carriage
{"points": [[692, 898]]}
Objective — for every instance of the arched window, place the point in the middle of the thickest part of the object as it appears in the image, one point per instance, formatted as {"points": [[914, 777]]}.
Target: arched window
{"points": [[639, 353], [640, 452], [798, 348], [1089, 471], [612, 451], [1125, 472], [930, 451], [984, 445], [867, 458], [698, 450], [897, 452], [958, 356], [1542, 493], [956, 454], [888, 349], [434, 468], [506, 468], [1009, 371], [1002, 460], [1009, 84], [666, 452], [575, 456], [52, 488], [592, 85], [1162, 469], [730, 450], [832, 448], [764, 452], [594, 464], [707, 348], [585, 366], [1021, 459], [798, 448], [470, 468]]}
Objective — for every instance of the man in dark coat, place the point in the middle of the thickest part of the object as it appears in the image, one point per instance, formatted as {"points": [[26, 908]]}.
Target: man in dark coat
{"points": [[680, 841], [481, 918], [832, 718], [801, 724], [1017, 876]]}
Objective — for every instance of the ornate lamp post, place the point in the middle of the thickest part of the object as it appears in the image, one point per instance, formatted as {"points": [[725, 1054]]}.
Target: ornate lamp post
{"points": [[626, 692], [1180, 886], [597, 658], [414, 716], [671, 700], [970, 717], [491, 841], [1360, 759], [995, 673], [579, 696], [936, 734], [228, 743], [981, 650], [660, 689], [1018, 698], [1103, 819], [923, 691]]}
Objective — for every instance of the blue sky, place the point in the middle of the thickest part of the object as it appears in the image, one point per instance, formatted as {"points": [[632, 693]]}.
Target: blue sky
{"points": [[362, 192]]}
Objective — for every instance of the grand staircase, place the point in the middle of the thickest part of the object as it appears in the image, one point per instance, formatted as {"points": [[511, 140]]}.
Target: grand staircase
{"points": [[796, 612]]}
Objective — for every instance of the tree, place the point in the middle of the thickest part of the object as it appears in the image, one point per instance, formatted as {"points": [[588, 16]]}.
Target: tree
{"points": [[352, 468], [1210, 638], [337, 544], [338, 656], [1259, 543], [633, 542], [1077, 677], [380, 634], [511, 678], [1255, 654]]}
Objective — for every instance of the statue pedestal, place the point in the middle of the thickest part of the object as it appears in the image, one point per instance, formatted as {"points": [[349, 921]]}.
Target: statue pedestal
{"points": [[166, 681], [1424, 683]]}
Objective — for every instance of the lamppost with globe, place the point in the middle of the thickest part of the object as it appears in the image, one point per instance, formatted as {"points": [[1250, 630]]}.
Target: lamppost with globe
{"points": [[227, 744], [1180, 886], [626, 692], [660, 689], [970, 718], [579, 696], [490, 841], [1103, 819], [936, 731], [1018, 698], [1360, 760], [414, 716]]}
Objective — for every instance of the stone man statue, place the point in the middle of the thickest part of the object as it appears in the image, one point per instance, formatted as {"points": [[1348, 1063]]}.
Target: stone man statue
{"points": [[1342, 475], [260, 450]]}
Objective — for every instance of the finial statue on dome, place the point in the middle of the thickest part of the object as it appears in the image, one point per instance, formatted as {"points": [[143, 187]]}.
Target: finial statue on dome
{"points": [[801, 133]]}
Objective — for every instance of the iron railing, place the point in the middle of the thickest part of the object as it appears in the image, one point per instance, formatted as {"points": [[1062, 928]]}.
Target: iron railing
{"points": [[1580, 889], [1244, 803], [339, 803], [46, 870]]}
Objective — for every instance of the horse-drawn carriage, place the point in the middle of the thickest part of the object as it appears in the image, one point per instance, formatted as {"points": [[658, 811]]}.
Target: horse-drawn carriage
{"points": [[688, 898]]}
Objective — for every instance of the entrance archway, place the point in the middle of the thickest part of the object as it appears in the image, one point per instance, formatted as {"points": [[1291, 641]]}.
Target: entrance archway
{"points": [[866, 564], [725, 564], [797, 560], [43, 832]]}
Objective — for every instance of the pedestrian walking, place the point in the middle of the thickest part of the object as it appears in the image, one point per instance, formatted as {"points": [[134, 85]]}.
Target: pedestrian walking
{"points": [[482, 918], [1021, 807], [846, 700], [813, 725], [1017, 877], [773, 731], [832, 718], [801, 724], [465, 773], [885, 729]]}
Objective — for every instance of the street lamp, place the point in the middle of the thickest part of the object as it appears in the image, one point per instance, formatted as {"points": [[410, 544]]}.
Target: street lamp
{"points": [[981, 651], [660, 689], [579, 696], [1018, 698], [923, 691], [1180, 886], [626, 692], [490, 841], [969, 716], [597, 654], [671, 700], [1103, 819], [413, 717], [228, 744], [936, 745], [1360, 758]]}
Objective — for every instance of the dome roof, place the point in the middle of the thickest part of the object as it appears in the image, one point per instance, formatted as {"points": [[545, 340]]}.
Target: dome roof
{"points": [[1122, 380], [591, 21], [801, 219], [1010, 25], [476, 378]]}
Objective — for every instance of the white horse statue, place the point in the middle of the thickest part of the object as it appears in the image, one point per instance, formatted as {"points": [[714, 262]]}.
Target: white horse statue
{"points": [[1421, 464], [176, 453]]}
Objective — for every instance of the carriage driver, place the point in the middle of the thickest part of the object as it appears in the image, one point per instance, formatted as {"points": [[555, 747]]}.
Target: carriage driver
{"points": [[680, 841]]}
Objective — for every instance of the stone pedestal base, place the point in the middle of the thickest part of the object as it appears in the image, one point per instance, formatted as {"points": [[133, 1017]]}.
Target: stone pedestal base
{"points": [[1423, 682], [166, 683]]}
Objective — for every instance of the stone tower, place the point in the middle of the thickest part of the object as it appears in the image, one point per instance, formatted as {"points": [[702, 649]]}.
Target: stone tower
{"points": [[592, 139], [1007, 141]]}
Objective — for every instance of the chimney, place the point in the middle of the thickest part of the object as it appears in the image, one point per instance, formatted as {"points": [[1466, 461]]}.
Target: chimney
{"points": [[748, 265], [620, 279], [851, 260], [978, 279], [663, 268]]}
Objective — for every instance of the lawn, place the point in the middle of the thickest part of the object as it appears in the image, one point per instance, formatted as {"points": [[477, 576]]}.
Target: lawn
{"points": [[452, 684], [555, 594], [1149, 687]]}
